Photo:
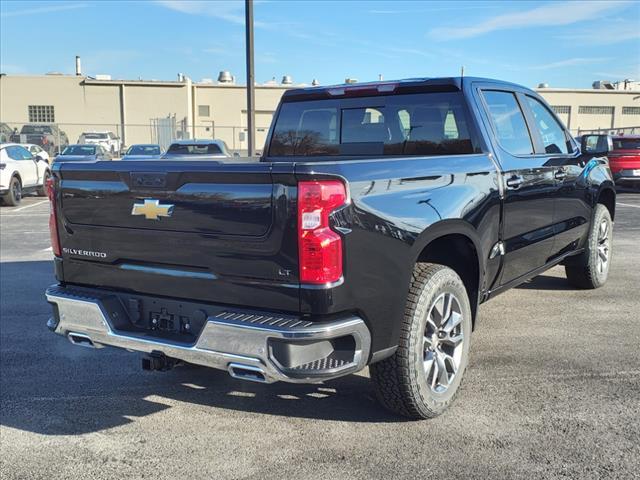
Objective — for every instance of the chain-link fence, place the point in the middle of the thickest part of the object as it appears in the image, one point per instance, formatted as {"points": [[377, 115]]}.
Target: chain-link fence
{"points": [[116, 138]]}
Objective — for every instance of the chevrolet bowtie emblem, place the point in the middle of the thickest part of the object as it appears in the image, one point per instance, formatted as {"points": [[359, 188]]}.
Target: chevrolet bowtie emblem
{"points": [[151, 209]]}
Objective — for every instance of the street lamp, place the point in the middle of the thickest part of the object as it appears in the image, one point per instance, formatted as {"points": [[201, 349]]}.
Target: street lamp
{"points": [[251, 113]]}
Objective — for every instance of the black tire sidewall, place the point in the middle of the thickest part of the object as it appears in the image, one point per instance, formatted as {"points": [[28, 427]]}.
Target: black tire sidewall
{"points": [[10, 198], [444, 280], [599, 278], [42, 191]]}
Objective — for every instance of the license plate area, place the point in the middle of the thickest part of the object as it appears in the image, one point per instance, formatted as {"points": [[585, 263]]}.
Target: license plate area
{"points": [[169, 319]]}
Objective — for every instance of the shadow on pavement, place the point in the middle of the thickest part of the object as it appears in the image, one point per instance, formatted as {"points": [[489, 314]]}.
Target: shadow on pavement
{"points": [[51, 387], [546, 282]]}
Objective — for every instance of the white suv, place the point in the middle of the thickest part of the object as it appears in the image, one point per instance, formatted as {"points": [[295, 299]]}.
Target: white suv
{"points": [[109, 141], [20, 172]]}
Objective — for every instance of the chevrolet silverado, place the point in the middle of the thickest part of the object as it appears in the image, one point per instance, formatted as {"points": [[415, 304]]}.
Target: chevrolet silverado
{"points": [[378, 219]]}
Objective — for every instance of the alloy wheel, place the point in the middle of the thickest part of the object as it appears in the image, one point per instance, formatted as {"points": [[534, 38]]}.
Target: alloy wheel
{"points": [[443, 342], [604, 244]]}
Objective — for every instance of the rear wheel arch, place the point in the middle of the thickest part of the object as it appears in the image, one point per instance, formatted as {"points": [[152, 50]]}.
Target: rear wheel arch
{"points": [[607, 197], [455, 245], [17, 175]]}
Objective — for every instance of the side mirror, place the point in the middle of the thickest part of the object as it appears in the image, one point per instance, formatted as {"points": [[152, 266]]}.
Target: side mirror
{"points": [[236, 154], [596, 144], [40, 158]]}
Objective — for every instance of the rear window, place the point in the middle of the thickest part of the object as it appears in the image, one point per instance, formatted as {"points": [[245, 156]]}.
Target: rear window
{"points": [[42, 129], [626, 143], [95, 136], [195, 149], [144, 150], [79, 150], [415, 124]]}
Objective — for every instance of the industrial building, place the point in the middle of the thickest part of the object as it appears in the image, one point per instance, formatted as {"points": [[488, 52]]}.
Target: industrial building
{"points": [[150, 111], [139, 111]]}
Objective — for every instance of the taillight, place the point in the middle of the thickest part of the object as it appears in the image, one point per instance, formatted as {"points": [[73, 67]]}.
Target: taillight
{"points": [[53, 218], [320, 248]]}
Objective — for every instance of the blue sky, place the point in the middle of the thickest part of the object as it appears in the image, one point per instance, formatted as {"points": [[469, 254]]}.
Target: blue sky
{"points": [[564, 43]]}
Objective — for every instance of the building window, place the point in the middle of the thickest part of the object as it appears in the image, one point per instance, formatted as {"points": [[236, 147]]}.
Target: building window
{"points": [[595, 110], [41, 114], [561, 109], [631, 110], [204, 111]]}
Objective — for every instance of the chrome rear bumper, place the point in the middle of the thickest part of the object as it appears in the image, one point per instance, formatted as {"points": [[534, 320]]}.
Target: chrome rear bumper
{"points": [[245, 348]]}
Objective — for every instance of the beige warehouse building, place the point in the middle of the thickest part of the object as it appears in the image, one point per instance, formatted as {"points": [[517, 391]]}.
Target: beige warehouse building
{"points": [[138, 111], [142, 111]]}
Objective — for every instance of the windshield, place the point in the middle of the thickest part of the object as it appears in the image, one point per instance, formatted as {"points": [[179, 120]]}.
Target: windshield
{"points": [[36, 129], [194, 149], [413, 124], [95, 136], [626, 143], [144, 150], [79, 150]]}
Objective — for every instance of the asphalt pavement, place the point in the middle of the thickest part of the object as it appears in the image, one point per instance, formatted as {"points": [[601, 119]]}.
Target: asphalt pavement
{"points": [[552, 391]]}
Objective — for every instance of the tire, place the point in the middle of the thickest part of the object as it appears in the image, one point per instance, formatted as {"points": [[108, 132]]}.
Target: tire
{"points": [[42, 191], [592, 268], [408, 383], [14, 195]]}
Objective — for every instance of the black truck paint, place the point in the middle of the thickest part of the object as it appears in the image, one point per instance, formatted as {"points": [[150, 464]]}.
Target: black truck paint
{"points": [[494, 217]]}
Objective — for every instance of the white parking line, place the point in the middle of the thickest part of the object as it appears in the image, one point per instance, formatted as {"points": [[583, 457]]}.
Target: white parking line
{"points": [[4, 215], [627, 205], [29, 206]]}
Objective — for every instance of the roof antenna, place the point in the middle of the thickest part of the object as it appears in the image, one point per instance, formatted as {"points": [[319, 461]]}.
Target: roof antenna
{"points": [[462, 71]]}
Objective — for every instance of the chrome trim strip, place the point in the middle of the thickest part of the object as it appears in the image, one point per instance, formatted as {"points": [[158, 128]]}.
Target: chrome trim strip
{"points": [[220, 344]]}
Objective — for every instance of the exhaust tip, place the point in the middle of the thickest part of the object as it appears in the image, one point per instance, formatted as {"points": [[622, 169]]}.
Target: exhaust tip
{"points": [[81, 340], [247, 372]]}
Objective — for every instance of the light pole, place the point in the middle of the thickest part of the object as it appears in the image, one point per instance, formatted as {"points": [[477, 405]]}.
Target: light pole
{"points": [[251, 113]]}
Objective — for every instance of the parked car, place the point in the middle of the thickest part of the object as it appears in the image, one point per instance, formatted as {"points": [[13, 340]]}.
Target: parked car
{"points": [[197, 149], [21, 172], [48, 136], [108, 140], [143, 152], [5, 133], [83, 153], [378, 219], [38, 151], [624, 160]]}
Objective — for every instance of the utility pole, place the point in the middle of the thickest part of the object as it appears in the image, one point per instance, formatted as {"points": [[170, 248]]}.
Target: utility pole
{"points": [[251, 112]]}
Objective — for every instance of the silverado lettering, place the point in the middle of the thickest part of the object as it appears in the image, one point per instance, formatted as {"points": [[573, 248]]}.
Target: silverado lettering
{"points": [[84, 253], [378, 219]]}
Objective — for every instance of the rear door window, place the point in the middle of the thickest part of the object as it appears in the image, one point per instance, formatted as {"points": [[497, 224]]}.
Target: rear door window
{"points": [[410, 124], [551, 132], [508, 122]]}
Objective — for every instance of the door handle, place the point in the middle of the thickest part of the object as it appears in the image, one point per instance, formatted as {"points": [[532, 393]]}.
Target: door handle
{"points": [[515, 182], [560, 174]]}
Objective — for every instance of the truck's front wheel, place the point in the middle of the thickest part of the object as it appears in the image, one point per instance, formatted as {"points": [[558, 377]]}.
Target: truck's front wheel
{"points": [[422, 377]]}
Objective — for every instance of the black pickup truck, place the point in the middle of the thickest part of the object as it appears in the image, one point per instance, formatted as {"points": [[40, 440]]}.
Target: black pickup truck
{"points": [[378, 219]]}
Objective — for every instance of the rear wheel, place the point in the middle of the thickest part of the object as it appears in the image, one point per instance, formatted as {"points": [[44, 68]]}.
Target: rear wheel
{"points": [[592, 269], [422, 377], [42, 190], [14, 195]]}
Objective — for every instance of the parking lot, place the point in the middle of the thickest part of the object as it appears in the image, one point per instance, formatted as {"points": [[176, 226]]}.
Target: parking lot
{"points": [[552, 391]]}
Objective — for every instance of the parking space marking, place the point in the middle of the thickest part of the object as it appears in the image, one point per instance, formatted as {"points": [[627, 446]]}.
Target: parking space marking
{"points": [[627, 205], [29, 206], [25, 215]]}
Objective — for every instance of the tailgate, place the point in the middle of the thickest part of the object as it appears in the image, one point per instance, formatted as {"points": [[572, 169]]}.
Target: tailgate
{"points": [[218, 231]]}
